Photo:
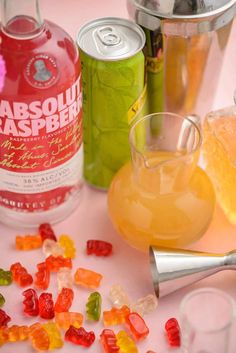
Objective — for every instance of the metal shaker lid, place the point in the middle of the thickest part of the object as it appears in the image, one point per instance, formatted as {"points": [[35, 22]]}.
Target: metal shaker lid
{"points": [[184, 8]]}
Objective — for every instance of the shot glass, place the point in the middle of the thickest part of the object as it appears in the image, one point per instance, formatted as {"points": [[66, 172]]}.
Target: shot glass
{"points": [[206, 317]]}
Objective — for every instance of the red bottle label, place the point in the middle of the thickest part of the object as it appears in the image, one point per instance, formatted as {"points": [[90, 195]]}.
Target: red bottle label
{"points": [[41, 148]]}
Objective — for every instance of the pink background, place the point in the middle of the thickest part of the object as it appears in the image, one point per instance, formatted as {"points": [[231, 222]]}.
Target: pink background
{"points": [[127, 266]]}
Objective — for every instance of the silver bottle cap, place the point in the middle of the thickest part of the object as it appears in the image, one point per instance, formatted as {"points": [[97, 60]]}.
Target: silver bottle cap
{"points": [[111, 39]]}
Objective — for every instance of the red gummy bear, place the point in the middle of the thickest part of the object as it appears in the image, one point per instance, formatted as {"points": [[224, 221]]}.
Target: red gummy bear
{"points": [[31, 302], [137, 326], [79, 336], [46, 306], [42, 277], [99, 248], [173, 332], [108, 341], [46, 232], [4, 318], [64, 300], [20, 275], [54, 263]]}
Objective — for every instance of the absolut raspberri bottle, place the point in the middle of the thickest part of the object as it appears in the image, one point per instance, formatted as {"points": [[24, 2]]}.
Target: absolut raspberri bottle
{"points": [[40, 118]]}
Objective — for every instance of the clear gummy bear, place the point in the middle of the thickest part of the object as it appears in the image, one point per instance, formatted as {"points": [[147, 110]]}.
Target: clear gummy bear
{"points": [[51, 247], [118, 296], [145, 305], [64, 278]]}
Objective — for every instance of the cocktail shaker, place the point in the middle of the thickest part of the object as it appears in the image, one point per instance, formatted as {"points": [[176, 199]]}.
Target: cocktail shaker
{"points": [[173, 269], [185, 45]]}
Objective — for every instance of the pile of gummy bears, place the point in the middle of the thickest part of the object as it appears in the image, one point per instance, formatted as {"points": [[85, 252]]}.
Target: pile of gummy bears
{"points": [[48, 336]]}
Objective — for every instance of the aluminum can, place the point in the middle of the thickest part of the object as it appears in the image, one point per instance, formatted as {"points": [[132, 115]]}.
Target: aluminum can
{"points": [[114, 91]]}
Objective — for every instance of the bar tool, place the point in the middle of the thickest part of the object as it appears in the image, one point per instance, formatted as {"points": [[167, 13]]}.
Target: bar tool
{"points": [[173, 269]]}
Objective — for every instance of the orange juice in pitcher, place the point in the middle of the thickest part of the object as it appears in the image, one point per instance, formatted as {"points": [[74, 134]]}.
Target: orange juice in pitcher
{"points": [[162, 197]]}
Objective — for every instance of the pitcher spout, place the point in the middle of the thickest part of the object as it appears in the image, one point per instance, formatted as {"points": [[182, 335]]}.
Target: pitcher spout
{"points": [[165, 150]]}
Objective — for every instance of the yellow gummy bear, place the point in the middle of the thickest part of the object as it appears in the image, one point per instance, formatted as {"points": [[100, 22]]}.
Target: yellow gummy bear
{"points": [[54, 335], [68, 245], [125, 343]]}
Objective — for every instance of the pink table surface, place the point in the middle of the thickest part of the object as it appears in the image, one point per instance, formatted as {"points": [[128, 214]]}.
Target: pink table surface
{"points": [[127, 266]]}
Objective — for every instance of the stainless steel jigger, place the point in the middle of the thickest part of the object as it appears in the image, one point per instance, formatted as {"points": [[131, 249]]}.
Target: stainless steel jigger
{"points": [[173, 269]]}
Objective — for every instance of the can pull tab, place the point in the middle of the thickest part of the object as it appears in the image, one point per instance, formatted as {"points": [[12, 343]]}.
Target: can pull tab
{"points": [[108, 36]]}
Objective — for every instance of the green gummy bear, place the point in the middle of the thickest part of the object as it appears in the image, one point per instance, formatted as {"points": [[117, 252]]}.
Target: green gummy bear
{"points": [[5, 277], [93, 306], [2, 300]]}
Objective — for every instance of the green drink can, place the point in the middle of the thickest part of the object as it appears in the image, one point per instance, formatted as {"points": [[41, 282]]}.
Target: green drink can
{"points": [[114, 94]]}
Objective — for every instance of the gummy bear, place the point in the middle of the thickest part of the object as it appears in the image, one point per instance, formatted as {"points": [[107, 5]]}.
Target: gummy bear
{"points": [[54, 263], [145, 305], [67, 319], [64, 278], [2, 300], [109, 341], [54, 335], [93, 306], [4, 318], [137, 326], [46, 232], [46, 306], [39, 337], [64, 300], [5, 277], [42, 276], [28, 242], [115, 316], [17, 333], [79, 336], [68, 245], [3, 335], [118, 296], [20, 275], [87, 278], [51, 247], [31, 302], [99, 248], [173, 332], [126, 343]]}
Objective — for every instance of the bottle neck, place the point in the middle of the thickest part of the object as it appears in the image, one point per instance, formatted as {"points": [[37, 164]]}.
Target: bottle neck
{"points": [[21, 18]]}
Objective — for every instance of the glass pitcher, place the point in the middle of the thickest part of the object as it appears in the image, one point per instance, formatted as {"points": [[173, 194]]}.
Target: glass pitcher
{"points": [[162, 197]]}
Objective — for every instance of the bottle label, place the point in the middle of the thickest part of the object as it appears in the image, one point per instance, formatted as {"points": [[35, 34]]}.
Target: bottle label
{"points": [[41, 148], [41, 71], [138, 105]]}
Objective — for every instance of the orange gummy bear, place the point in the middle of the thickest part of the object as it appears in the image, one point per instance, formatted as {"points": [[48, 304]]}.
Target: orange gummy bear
{"points": [[115, 316], [87, 278], [28, 242], [17, 333], [65, 319], [3, 335], [39, 337]]}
